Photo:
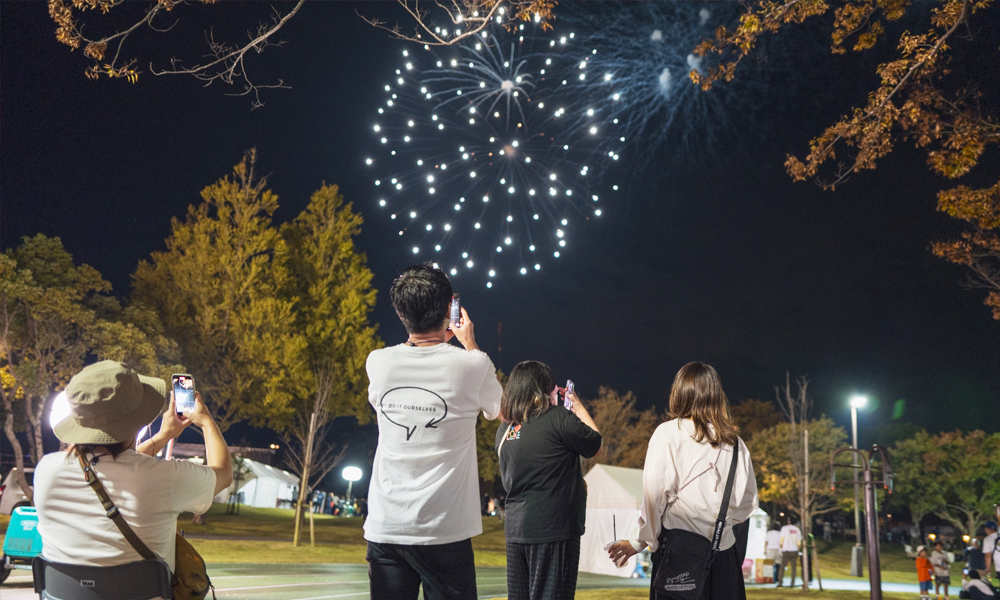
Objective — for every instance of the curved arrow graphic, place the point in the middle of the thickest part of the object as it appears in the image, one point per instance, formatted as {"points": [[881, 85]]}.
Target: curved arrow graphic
{"points": [[411, 429]]}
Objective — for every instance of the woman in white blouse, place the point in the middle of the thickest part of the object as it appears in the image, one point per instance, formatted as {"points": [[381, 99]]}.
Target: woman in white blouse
{"points": [[684, 478]]}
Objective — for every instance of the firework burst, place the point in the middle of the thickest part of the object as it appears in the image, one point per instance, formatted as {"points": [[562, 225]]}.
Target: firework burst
{"points": [[475, 160], [630, 65]]}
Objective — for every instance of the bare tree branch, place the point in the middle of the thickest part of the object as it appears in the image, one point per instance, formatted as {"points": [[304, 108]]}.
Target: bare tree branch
{"points": [[228, 64], [464, 18]]}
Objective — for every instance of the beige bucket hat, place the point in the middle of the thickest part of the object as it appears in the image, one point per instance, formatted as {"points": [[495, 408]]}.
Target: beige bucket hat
{"points": [[110, 403]]}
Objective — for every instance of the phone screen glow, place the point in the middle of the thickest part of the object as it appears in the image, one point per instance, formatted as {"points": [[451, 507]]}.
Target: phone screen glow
{"points": [[183, 392]]}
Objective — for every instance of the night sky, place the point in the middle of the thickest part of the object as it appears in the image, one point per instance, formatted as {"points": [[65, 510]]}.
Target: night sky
{"points": [[715, 256]]}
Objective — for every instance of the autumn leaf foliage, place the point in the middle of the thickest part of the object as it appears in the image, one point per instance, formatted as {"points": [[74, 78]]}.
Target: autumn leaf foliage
{"points": [[916, 101]]}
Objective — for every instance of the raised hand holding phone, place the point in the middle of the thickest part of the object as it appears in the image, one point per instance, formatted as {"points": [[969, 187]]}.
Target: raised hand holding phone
{"points": [[465, 332], [569, 395]]}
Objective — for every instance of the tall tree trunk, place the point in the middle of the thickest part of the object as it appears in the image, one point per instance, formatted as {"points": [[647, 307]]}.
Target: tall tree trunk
{"points": [[304, 485], [8, 428], [34, 429]]}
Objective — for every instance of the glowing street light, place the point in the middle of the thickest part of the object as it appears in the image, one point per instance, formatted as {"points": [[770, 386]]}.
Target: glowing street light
{"points": [[351, 474], [60, 409]]}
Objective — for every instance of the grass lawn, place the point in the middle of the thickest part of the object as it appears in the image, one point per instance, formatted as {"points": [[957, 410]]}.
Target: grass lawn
{"points": [[835, 563], [338, 540]]}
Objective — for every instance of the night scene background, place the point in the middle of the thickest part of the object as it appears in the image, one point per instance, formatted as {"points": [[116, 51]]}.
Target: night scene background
{"points": [[709, 251]]}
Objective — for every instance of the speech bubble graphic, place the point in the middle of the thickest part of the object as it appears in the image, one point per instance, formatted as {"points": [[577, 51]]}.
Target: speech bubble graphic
{"points": [[410, 407]]}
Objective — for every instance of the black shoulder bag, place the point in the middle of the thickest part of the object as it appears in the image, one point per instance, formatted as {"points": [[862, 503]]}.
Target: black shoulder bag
{"points": [[686, 557]]}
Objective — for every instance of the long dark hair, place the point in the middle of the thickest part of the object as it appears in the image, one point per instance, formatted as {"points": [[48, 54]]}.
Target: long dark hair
{"points": [[527, 392], [697, 395]]}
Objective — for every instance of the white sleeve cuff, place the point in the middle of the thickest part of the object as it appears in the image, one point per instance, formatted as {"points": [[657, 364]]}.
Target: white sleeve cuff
{"points": [[638, 547]]}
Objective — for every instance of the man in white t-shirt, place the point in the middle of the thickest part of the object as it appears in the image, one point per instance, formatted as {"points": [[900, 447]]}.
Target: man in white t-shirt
{"points": [[423, 500], [791, 537], [109, 404], [772, 548]]}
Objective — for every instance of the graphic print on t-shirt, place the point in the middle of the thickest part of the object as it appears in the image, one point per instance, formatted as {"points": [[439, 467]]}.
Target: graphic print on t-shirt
{"points": [[410, 407], [514, 433]]}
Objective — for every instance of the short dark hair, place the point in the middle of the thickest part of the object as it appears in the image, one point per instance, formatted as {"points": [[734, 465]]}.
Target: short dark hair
{"points": [[973, 574], [421, 297], [527, 392]]}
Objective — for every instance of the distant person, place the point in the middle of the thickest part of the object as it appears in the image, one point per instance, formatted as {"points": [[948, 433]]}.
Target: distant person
{"points": [[925, 573], [791, 539], [942, 569], [540, 445], [772, 548], [976, 588], [684, 478], [990, 550], [827, 531], [423, 500], [109, 404], [975, 560]]}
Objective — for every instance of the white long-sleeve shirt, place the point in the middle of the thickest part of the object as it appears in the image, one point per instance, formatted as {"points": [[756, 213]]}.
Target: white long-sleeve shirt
{"points": [[675, 461]]}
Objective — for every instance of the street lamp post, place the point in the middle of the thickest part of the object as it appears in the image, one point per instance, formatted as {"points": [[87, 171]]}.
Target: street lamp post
{"points": [[856, 555], [351, 474]]}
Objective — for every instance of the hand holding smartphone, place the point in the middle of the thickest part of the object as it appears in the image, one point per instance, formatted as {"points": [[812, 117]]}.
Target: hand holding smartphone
{"points": [[570, 391], [183, 386]]}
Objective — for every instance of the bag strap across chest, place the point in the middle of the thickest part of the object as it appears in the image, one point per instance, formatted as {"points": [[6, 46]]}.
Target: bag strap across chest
{"points": [[720, 523], [111, 510]]}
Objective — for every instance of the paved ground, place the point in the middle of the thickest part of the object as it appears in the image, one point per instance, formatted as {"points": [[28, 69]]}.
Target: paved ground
{"points": [[860, 585], [326, 582], [315, 582]]}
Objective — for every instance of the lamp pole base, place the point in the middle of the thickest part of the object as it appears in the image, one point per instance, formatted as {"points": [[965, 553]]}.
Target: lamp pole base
{"points": [[857, 560]]}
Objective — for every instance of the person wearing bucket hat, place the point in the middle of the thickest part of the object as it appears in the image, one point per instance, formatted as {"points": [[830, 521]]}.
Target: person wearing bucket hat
{"points": [[109, 403]]}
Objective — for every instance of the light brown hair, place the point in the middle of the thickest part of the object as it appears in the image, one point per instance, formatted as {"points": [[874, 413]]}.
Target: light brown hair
{"points": [[697, 395]]}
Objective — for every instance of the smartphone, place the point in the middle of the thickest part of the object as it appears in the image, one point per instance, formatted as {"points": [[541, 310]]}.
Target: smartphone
{"points": [[456, 311], [183, 385], [570, 389]]}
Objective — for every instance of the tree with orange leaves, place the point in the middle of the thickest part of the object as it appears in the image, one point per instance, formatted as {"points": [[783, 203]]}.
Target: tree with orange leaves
{"points": [[909, 104]]}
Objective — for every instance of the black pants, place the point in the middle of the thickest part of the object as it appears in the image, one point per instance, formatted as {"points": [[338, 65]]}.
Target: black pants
{"points": [[543, 571], [725, 578], [447, 571]]}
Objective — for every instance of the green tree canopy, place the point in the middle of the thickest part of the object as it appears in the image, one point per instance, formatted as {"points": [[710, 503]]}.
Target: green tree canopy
{"points": [[914, 487], [216, 291], [54, 315]]}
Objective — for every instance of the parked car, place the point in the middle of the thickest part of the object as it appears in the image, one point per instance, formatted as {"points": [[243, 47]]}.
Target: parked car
{"points": [[11, 495]]}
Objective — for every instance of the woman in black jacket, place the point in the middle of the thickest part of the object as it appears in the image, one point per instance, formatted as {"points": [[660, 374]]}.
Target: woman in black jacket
{"points": [[539, 445]]}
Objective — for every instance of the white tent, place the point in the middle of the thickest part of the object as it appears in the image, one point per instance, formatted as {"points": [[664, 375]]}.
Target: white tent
{"points": [[264, 487], [614, 497], [759, 522]]}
